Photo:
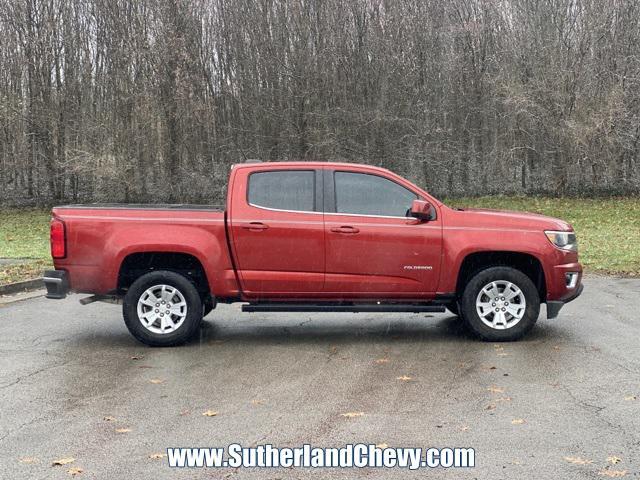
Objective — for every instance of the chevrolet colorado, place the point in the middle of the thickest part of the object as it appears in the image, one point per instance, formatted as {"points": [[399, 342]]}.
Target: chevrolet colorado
{"points": [[301, 236]]}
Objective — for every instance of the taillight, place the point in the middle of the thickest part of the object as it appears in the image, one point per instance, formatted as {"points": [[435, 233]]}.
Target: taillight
{"points": [[58, 243]]}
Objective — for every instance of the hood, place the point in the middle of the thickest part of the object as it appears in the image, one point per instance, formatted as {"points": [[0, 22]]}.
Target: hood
{"points": [[484, 217]]}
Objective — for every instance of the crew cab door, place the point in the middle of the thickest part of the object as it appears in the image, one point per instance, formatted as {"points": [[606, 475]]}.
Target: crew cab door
{"points": [[373, 249], [277, 231]]}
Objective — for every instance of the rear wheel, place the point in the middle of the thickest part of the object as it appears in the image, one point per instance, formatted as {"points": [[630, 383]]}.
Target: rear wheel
{"points": [[162, 308], [207, 305], [500, 304]]}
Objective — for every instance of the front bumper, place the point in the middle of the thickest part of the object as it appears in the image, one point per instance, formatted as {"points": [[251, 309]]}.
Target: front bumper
{"points": [[554, 306], [57, 283]]}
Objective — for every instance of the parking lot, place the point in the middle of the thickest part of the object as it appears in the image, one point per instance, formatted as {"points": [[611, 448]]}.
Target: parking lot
{"points": [[562, 403]]}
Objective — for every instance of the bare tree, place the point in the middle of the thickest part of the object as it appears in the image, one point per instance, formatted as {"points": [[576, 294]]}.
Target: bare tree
{"points": [[153, 100]]}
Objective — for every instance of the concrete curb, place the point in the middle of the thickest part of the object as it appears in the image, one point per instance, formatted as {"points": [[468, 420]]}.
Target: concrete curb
{"points": [[20, 297], [25, 286]]}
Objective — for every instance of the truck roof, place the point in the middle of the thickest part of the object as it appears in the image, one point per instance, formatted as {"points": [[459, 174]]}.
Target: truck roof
{"points": [[313, 164]]}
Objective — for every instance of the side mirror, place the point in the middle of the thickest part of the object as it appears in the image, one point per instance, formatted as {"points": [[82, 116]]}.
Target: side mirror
{"points": [[421, 209]]}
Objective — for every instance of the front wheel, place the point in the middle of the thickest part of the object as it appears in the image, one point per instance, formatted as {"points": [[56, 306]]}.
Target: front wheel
{"points": [[162, 309], [500, 304]]}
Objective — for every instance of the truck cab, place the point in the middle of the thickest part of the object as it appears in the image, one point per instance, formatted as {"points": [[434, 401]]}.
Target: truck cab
{"points": [[332, 231]]}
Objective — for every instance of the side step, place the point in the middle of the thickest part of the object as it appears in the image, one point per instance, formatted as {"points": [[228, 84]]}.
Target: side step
{"points": [[324, 307]]}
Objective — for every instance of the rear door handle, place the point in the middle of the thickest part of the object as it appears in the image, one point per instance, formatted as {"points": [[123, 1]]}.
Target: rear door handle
{"points": [[345, 229], [255, 226]]}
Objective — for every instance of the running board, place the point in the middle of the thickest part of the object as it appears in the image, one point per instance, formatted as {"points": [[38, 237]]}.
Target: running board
{"points": [[319, 307]]}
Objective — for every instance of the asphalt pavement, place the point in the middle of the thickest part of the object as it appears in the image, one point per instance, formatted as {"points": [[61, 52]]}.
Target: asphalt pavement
{"points": [[562, 403]]}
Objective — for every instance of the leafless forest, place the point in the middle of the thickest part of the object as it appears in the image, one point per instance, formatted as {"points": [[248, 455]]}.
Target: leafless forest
{"points": [[153, 100]]}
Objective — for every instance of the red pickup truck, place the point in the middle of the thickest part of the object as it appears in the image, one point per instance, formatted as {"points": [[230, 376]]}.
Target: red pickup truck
{"points": [[301, 237]]}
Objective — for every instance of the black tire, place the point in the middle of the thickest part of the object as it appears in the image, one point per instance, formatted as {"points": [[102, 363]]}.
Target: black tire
{"points": [[191, 322], [483, 278], [207, 306]]}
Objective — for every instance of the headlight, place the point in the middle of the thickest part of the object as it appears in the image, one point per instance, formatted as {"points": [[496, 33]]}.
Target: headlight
{"points": [[563, 240]]}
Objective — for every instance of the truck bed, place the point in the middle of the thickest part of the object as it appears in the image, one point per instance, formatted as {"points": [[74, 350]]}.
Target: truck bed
{"points": [[100, 237], [144, 206]]}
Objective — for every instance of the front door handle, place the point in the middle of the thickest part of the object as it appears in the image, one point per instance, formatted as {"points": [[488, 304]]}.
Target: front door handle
{"points": [[255, 226], [345, 229]]}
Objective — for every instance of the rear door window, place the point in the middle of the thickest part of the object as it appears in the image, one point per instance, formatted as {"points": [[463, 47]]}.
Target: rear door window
{"points": [[283, 190]]}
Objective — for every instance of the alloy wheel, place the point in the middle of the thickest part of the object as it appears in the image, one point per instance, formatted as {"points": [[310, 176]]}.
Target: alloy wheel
{"points": [[501, 304], [162, 309]]}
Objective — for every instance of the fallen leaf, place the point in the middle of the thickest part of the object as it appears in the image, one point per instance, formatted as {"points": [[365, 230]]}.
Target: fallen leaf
{"points": [[333, 350], [464, 428], [517, 421], [352, 414], [490, 407], [157, 456], [63, 461], [156, 381], [382, 445], [75, 471], [578, 460], [630, 398], [137, 357], [612, 473], [556, 347], [29, 460], [123, 430], [257, 402], [382, 360], [496, 389], [109, 419], [613, 459], [210, 413], [404, 378]]}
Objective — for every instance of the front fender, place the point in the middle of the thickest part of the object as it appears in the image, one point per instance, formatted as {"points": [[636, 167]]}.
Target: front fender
{"points": [[460, 242]]}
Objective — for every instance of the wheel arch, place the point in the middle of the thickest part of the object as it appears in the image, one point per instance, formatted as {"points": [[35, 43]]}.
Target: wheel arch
{"points": [[527, 263], [136, 264]]}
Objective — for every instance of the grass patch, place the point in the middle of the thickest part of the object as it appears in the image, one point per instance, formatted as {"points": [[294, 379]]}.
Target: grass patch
{"points": [[25, 271], [24, 234], [608, 232], [608, 229]]}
